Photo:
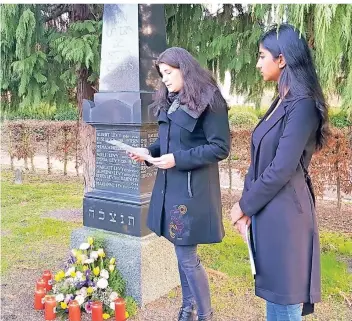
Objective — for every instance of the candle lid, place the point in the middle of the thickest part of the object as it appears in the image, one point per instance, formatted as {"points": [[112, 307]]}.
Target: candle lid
{"points": [[46, 272], [74, 302], [97, 303], [50, 298]]}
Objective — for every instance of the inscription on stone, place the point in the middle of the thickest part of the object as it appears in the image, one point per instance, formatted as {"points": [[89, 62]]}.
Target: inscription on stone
{"points": [[114, 169]]}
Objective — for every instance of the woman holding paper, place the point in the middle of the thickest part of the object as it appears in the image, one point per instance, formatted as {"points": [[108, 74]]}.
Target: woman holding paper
{"points": [[278, 197], [193, 137]]}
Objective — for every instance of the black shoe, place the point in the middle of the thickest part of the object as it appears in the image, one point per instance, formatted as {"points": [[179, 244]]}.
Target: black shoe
{"points": [[209, 318], [187, 314]]}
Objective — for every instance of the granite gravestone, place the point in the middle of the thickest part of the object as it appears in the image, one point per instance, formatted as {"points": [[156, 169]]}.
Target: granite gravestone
{"points": [[133, 37]]}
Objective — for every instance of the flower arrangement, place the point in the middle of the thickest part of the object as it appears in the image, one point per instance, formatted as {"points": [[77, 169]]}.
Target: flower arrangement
{"points": [[90, 276]]}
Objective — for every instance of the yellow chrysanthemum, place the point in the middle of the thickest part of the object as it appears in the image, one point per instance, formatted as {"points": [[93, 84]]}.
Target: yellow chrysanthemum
{"points": [[63, 305], [111, 268], [57, 278], [101, 253], [73, 274], [90, 240], [112, 260], [106, 316], [127, 315], [85, 268], [96, 271], [90, 290]]}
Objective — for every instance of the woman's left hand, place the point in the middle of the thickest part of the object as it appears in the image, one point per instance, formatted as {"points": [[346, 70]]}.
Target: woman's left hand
{"points": [[165, 161]]}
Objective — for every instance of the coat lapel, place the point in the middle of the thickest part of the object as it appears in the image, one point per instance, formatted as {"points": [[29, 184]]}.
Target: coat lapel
{"points": [[266, 125], [183, 116]]}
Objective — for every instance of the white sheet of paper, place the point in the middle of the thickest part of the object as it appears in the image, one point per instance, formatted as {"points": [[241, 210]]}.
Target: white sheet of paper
{"points": [[130, 149], [250, 253]]}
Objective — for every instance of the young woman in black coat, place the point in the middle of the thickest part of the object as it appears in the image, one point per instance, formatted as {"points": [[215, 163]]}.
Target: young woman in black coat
{"points": [[278, 200], [193, 137]]}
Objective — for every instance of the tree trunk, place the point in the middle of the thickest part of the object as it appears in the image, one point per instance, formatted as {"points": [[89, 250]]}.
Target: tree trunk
{"points": [[81, 12], [32, 163], [87, 132], [338, 178], [48, 152], [65, 152]]}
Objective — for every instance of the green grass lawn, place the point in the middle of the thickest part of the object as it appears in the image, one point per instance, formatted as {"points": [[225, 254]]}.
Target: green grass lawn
{"points": [[26, 236]]}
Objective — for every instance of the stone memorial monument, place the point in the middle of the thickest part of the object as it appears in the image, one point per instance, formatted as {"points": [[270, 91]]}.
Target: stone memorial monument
{"points": [[133, 37]]}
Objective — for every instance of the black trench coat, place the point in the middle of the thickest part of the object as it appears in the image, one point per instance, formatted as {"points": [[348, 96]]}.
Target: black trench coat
{"points": [[276, 195], [185, 206]]}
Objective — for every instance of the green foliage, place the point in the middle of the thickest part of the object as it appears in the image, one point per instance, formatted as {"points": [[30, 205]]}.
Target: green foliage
{"points": [[243, 118], [131, 306], [340, 118], [229, 41], [43, 111], [41, 57]]}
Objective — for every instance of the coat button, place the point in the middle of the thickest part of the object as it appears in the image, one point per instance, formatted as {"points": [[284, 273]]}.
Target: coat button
{"points": [[164, 171], [162, 192]]}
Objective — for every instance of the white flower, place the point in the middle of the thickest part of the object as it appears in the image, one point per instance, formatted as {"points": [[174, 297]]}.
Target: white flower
{"points": [[88, 261], [113, 297], [69, 281], [83, 292], [60, 297], [104, 274], [102, 283], [79, 275], [68, 298], [70, 270], [101, 252], [79, 299], [94, 255], [84, 246], [112, 306]]}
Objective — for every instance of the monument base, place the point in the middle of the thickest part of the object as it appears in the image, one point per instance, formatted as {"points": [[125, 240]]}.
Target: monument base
{"points": [[148, 264]]}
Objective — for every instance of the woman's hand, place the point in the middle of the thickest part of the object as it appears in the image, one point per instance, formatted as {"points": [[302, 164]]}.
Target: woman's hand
{"points": [[242, 224], [165, 161], [236, 213], [137, 158]]}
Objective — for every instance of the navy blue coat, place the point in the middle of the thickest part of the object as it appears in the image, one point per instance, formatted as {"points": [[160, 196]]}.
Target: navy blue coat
{"points": [[185, 206], [277, 198]]}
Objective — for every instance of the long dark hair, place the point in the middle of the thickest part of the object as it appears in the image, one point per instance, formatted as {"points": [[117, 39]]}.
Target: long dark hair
{"points": [[299, 75], [199, 86]]}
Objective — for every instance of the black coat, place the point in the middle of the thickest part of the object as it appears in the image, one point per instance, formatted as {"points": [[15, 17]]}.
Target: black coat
{"points": [[276, 196], [185, 206]]}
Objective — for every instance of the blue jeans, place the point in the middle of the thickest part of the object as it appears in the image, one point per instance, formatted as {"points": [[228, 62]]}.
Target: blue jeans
{"points": [[194, 280], [278, 312]]}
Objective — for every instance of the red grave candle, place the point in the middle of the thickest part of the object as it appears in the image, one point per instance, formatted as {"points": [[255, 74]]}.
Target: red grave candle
{"points": [[50, 308], [41, 284], [97, 311], [48, 277], [120, 309], [39, 296], [74, 311]]}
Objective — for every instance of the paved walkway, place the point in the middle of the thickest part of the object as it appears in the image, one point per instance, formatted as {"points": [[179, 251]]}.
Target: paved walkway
{"points": [[40, 162]]}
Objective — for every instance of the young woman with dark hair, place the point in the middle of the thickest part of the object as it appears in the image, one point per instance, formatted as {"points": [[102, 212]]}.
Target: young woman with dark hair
{"points": [[194, 136], [278, 200]]}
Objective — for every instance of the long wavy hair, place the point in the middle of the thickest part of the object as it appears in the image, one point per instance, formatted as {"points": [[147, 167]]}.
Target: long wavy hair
{"points": [[299, 75], [199, 86]]}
